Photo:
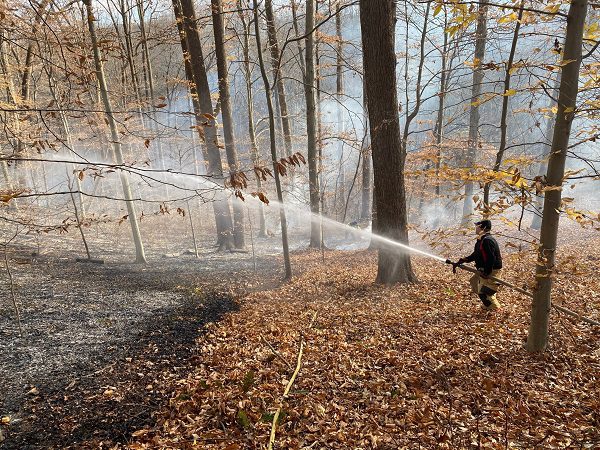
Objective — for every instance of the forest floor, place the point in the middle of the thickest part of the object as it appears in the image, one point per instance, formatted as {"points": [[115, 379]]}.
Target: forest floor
{"points": [[186, 353]]}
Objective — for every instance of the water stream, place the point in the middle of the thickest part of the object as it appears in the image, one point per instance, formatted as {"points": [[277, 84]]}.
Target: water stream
{"points": [[201, 183]]}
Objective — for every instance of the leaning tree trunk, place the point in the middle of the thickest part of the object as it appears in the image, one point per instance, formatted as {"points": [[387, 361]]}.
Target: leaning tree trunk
{"points": [[263, 71], [537, 338], [504, 114], [230, 150], [311, 125], [184, 10], [377, 21], [116, 140], [254, 153], [480, 38]]}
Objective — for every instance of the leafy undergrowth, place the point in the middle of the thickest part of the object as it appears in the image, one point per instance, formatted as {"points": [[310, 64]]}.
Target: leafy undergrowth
{"points": [[406, 366]]}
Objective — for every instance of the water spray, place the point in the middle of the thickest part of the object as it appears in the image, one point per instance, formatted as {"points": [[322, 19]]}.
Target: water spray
{"points": [[369, 234]]}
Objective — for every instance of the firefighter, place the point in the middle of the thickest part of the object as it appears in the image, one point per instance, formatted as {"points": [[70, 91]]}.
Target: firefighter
{"points": [[488, 262]]}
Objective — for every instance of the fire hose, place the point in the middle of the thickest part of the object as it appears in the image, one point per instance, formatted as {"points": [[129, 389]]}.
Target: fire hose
{"points": [[456, 265]]}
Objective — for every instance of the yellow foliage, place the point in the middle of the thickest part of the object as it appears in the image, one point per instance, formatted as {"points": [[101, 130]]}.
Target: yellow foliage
{"points": [[508, 18], [592, 31]]}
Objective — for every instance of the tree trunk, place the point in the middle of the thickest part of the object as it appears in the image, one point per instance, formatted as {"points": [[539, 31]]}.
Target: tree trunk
{"points": [[379, 61], [311, 125], [277, 76], [263, 71], [11, 99], [184, 10], [254, 153], [301, 57], [504, 114], [418, 89], [537, 338], [365, 205], [480, 38], [538, 207], [228, 134], [439, 123], [130, 62], [118, 154], [149, 76], [340, 112]]}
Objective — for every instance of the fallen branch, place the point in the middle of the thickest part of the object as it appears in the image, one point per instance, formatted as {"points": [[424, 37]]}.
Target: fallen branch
{"points": [[276, 353], [289, 386]]}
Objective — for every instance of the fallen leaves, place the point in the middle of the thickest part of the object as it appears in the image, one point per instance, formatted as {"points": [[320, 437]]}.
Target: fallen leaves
{"points": [[392, 367]]}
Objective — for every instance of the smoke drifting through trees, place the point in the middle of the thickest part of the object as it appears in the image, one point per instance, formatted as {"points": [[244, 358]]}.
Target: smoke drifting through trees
{"points": [[153, 90]]}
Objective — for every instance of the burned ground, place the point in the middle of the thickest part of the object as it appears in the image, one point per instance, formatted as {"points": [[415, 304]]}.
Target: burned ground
{"points": [[102, 343]]}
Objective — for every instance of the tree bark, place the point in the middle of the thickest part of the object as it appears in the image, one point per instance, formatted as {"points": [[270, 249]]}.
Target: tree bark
{"points": [[537, 338], [277, 76], [377, 21], [339, 49], [263, 71], [184, 10], [480, 39], [118, 154], [228, 134], [311, 125], [538, 208], [439, 123], [504, 114], [254, 153]]}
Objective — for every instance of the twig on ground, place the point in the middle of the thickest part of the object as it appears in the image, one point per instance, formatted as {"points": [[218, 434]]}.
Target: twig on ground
{"points": [[276, 353], [289, 385]]}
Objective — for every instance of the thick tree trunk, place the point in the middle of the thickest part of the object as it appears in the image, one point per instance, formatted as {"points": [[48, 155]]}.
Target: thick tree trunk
{"points": [[504, 114], [189, 76], [184, 10], [228, 134], [480, 39], [118, 154], [379, 61], [537, 338], [311, 124], [263, 71]]}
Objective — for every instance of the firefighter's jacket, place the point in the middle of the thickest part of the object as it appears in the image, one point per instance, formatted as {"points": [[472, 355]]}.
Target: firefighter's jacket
{"points": [[486, 254]]}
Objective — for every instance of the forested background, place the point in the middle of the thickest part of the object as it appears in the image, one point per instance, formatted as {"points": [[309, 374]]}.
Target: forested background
{"points": [[214, 142]]}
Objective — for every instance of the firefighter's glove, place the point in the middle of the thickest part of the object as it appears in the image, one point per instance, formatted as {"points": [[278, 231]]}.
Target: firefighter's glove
{"points": [[455, 264]]}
